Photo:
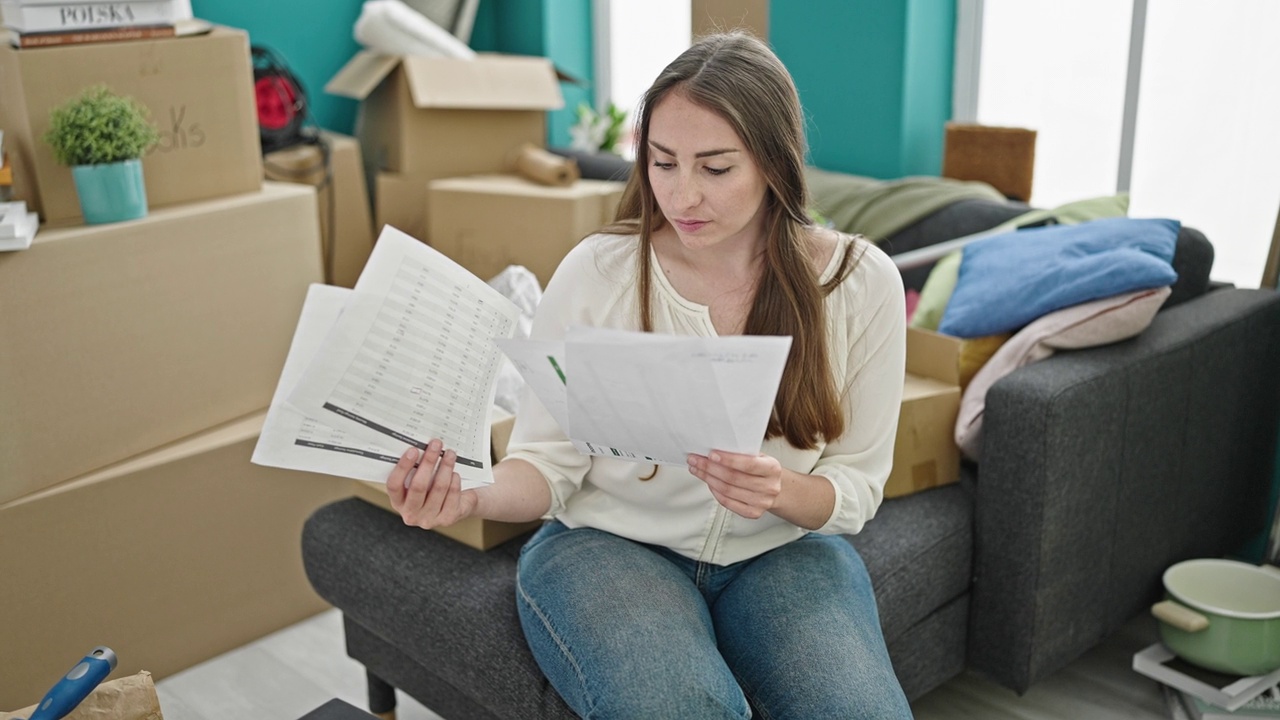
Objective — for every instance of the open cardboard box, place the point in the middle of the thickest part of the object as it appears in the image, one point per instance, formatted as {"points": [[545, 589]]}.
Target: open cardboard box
{"points": [[401, 202], [424, 118], [925, 453], [441, 117]]}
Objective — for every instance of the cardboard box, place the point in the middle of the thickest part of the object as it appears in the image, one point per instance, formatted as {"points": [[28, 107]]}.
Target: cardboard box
{"points": [[486, 223], [120, 338], [440, 117], [500, 435], [199, 90], [344, 195], [711, 16], [476, 532], [925, 453], [401, 202], [169, 559]]}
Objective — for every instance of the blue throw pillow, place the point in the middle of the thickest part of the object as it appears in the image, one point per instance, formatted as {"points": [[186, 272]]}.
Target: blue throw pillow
{"points": [[1008, 280]]}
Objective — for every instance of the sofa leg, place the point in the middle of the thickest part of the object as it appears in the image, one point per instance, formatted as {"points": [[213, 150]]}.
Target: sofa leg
{"points": [[382, 697]]}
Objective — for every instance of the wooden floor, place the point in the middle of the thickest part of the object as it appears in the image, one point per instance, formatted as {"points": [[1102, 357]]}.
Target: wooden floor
{"points": [[288, 674]]}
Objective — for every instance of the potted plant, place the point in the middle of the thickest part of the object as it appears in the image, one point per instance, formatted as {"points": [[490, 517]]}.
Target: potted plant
{"points": [[101, 136], [598, 132]]}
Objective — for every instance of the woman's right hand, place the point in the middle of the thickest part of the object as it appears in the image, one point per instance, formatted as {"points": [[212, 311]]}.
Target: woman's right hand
{"points": [[426, 491]]}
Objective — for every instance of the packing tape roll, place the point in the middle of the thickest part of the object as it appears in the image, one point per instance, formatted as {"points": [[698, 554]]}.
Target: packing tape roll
{"points": [[546, 168]]}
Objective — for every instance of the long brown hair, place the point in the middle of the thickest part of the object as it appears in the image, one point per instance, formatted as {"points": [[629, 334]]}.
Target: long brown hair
{"points": [[737, 77]]}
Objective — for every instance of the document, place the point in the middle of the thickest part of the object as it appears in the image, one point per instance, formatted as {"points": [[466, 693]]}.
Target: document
{"points": [[411, 357], [654, 398], [413, 353], [295, 440]]}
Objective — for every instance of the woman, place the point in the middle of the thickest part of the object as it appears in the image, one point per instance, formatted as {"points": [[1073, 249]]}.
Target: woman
{"points": [[725, 587]]}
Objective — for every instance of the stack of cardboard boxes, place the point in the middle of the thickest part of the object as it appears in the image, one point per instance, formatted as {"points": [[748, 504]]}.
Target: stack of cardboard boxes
{"points": [[333, 165], [136, 363], [924, 451], [440, 137]]}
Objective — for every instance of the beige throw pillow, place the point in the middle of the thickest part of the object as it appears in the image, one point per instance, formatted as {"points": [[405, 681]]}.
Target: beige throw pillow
{"points": [[1098, 322]]}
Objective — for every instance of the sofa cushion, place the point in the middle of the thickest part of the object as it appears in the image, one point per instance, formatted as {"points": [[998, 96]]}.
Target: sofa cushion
{"points": [[918, 551], [1008, 280], [941, 282], [1192, 260]]}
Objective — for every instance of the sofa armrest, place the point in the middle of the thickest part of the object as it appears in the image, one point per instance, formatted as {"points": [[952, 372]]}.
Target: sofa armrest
{"points": [[1102, 467]]}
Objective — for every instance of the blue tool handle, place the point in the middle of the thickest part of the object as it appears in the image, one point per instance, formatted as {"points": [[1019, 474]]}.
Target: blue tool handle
{"points": [[76, 685]]}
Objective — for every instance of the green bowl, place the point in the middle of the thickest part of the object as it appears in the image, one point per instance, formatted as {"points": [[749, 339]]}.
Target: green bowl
{"points": [[1222, 615]]}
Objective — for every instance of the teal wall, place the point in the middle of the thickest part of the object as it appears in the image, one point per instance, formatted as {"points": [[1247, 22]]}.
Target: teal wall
{"points": [[928, 79], [314, 39], [317, 42], [569, 38], [874, 77]]}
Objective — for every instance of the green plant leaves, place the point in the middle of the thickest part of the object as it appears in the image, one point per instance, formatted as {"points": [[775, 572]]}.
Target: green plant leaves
{"points": [[100, 127]]}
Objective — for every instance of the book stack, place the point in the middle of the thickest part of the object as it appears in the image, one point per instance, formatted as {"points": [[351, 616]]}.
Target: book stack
{"points": [[1194, 693], [42, 23], [17, 226]]}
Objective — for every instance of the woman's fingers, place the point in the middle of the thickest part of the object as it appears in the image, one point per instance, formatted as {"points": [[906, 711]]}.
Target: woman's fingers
{"points": [[743, 501], [397, 480], [746, 484], [438, 492], [433, 496], [420, 482]]}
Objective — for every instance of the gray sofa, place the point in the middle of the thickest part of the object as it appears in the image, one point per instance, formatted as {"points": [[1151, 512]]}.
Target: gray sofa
{"points": [[1101, 468]]}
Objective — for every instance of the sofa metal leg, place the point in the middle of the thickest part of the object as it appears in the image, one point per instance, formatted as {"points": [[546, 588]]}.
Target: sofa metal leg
{"points": [[382, 697]]}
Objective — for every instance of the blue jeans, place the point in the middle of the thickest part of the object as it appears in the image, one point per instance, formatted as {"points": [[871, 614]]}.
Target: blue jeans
{"points": [[627, 630]]}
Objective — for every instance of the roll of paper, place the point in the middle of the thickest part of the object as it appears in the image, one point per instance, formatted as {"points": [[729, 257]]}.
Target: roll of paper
{"points": [[392, 28], [546, 168]]}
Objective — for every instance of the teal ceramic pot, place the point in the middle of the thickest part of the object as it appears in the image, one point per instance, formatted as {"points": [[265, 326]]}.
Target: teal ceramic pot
{"points": [[1222, 615], [112, 192]]}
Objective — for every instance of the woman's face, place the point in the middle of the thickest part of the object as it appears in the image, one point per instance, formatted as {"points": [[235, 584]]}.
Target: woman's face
{"points": [[706, 183]]}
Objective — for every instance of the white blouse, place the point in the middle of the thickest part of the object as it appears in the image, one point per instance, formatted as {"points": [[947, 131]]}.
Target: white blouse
{"points": [[595, 286]]}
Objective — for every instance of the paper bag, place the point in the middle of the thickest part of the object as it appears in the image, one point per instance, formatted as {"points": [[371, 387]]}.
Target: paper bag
{"points": [[127, 698]]}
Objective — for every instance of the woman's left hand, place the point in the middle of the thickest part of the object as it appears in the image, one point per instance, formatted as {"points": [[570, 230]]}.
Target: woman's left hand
{"points": [[748, 485]]}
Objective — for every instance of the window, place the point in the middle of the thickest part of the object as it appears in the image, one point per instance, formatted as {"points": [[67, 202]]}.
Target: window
{"points": [[634, 42], [1207, 141], [1059, 69], [1198, 101]]}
